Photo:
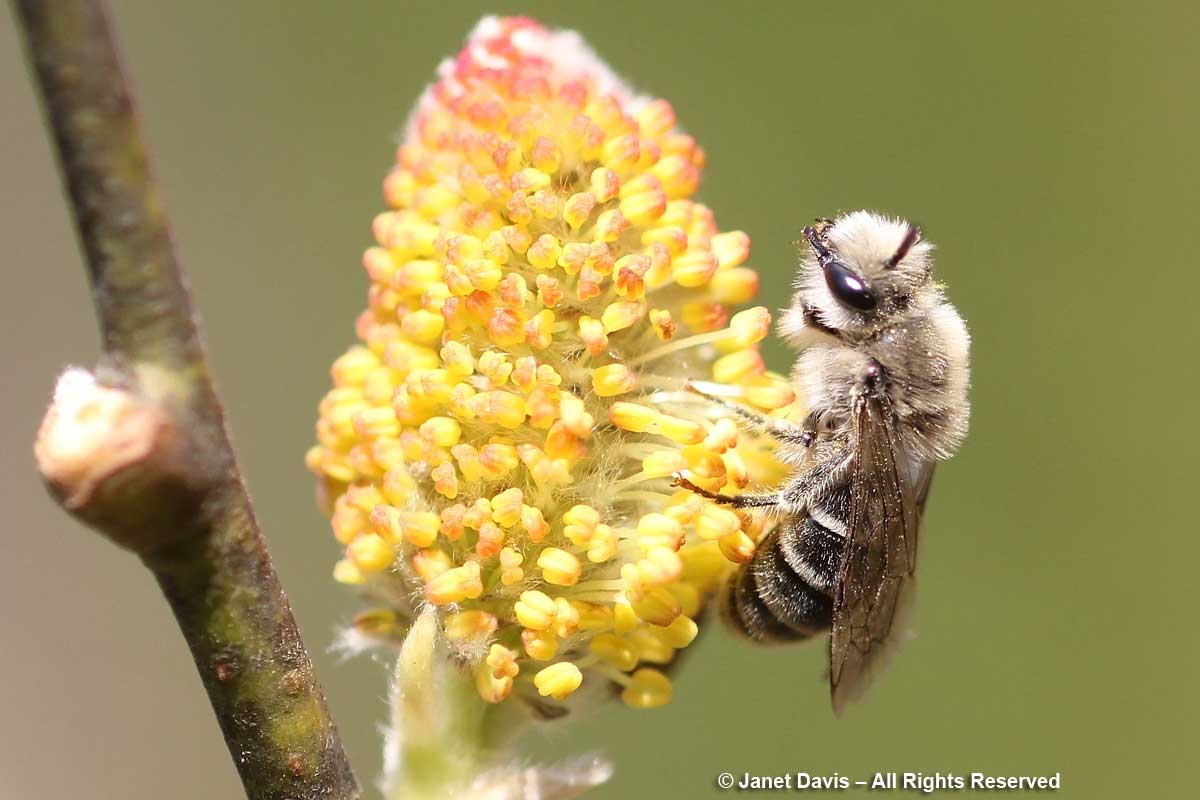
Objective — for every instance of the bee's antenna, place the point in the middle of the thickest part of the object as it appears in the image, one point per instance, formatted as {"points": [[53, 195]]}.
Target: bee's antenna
{"points": [[814, 236], [910, 238]]}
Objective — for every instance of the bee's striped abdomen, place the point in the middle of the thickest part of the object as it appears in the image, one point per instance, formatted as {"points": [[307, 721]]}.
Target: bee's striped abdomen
{"points": [[785, 592]]}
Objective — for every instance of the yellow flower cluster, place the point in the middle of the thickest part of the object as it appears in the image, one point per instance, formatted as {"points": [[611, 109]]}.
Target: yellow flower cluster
{"points": [[502, 444]]}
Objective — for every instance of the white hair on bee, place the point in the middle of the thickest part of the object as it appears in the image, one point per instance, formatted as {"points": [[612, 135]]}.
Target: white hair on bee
{"points": [[865, 290]]}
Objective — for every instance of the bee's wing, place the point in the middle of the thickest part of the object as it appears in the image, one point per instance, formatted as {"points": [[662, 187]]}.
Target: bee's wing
{"points": [[875, 579]]}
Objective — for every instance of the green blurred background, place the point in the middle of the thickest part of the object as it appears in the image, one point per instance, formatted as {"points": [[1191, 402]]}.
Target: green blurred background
{"points": [[1049, 149]]}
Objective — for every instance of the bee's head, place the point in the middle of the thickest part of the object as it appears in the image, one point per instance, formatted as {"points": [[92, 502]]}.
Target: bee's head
{"points": [[862, 272]]}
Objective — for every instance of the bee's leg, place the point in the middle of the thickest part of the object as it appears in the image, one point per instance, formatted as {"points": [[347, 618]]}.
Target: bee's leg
{"points": [[737, 501], [779, 429]]}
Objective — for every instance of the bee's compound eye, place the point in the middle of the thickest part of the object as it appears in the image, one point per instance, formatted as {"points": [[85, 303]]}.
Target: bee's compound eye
{"points": [[849, 289]]}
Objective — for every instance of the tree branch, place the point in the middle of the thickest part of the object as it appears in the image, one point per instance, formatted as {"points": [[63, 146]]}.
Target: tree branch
{"points": [[140, 451]]}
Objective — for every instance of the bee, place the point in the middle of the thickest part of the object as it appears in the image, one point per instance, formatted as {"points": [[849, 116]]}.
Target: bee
{"points": [[884, 368]]}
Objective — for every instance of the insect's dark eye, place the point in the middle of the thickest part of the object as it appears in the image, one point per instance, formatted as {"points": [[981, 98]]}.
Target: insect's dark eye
{"points": [[848, 288]]}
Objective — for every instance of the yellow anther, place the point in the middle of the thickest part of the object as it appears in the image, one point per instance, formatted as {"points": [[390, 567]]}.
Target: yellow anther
{"points": [[483, 273], [506, 507], [737, 547], [731, 248], [539, 330], [567, 620], [624, 620], [415, 277], [478, 513], [672, 237], [506, 327], [419, 528], [549, 291], [663, 463], [534, 523], [610, 225], [682, 431], [660, 566], [605, 184], [535, 610], [681, 632], [574, 415], [450, 521], [615, 650], [344, 572], [352, 367], [591, 331], [490, 541], [578, 208], [518, 238], [593, 616], [559, 567], [398, 486], [545, 203], [561, 443], [688, 596], [707, 469], [603, 544], [649, 644], [546, 155], [370, 553], [513, 290], [574, 257], [496, 367], [664, 325], [489, 687], [457, 360], [734, 286], [633, 417], [678, 175], [655, 118], [499, 408], [441, 431], [445, 481], [558, 680], [736, 471], [348, 522], [539, 645], [579, 523], [715, 522], [430, 563], [510, 567], [770, 393], [423, 326], [502, 661], [737, 366], [654, 605], [498, 458], [524, 373], [612, 380], [377, 622], [648, 688], [621, 153], [461, 248], [659, 530], [455, 585], [466, 626], [722, 436], [694, 268], [751, 326], [543, 253], [620, 315]]}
